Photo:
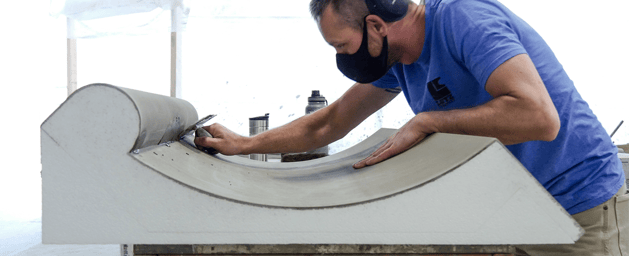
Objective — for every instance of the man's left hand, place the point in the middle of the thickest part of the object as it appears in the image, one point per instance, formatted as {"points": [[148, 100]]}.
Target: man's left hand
{"points": [[408, 136]]}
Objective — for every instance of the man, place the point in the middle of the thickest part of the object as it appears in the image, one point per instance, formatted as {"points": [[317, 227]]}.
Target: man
{"points": [[465, 67]]}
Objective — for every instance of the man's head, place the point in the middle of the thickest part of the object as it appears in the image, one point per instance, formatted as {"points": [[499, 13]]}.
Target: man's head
{"points": [[353, 11], [342, 23]]}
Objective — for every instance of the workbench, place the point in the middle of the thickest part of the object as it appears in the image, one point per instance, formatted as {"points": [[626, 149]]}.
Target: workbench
{"points": [[346, 250]]}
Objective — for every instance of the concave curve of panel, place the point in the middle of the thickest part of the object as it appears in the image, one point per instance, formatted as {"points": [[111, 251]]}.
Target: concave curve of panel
{"points": [[320, 183]]}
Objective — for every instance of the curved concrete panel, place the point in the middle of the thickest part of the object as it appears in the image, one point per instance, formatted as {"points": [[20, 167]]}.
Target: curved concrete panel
{"points": [[108, 177]]}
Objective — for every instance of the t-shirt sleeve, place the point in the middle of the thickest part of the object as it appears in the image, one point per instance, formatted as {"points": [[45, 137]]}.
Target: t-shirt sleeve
{"points": [[480, 36], [389, 80]]}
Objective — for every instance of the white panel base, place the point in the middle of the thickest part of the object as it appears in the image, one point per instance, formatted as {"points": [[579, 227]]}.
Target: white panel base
{"points": [[481, 202]]}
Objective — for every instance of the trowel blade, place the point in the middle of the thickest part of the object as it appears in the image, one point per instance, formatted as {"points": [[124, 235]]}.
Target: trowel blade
{"points": [[196, 125]]}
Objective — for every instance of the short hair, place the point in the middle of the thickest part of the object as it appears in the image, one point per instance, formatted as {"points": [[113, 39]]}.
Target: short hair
{"points": [[353, 12]]}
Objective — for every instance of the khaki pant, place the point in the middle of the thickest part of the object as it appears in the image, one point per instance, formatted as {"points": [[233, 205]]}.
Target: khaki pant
{"points": [[606, 231]]}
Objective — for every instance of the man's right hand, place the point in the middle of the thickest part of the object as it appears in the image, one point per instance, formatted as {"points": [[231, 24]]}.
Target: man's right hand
{"points": [[225, 141]]}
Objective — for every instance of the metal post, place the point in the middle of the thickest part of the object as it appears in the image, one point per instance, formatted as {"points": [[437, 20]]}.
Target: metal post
{"points": [[71, 62], [175, 52]]}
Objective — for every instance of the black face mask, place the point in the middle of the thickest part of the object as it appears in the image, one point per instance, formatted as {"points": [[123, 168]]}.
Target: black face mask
{"points": [[360, 66]]}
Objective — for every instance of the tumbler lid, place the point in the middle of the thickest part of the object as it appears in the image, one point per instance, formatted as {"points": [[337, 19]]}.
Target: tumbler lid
{"points": [[259, 118]]}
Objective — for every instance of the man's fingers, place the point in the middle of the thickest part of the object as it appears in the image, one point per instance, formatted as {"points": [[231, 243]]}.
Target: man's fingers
{"points": [[381, 149], [389, 152], [213, 128], [224, 141], [385, 152], [384, 146], [360, 164], [364, 162], [199, 141], [207, 142]]}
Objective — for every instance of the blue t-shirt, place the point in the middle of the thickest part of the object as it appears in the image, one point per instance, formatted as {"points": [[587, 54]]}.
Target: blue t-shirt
{"points": [[465, 41]]}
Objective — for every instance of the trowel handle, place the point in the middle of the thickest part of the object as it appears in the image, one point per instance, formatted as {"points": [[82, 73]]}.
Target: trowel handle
{"points": [[200, 132]]}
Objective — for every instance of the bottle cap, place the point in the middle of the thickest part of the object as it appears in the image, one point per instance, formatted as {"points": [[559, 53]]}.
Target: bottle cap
{"points": [[316, 97]]}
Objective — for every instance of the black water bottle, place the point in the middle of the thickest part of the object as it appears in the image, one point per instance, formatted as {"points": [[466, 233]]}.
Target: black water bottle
{"points": [[316, 102]]}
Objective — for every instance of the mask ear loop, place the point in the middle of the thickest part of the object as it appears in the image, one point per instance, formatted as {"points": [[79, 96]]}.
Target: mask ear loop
{"points": [[365, 35]]}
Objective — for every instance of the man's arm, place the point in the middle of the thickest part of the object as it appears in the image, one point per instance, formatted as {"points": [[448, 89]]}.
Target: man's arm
{"points": [[521, 111], [308, 132]]}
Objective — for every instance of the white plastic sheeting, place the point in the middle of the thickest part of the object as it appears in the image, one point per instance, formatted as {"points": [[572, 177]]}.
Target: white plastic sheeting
{"points": [[97, 18]]}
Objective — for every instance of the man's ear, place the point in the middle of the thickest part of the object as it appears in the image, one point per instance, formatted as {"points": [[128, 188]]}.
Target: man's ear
{"points": [[381, 27]]}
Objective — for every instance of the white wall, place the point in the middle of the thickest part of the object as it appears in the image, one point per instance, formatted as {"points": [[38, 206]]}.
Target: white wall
{"points": [[251, 59]]}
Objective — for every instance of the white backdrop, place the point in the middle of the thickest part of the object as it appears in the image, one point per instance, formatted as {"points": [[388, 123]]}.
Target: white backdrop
{"points": [[246, 58]]}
